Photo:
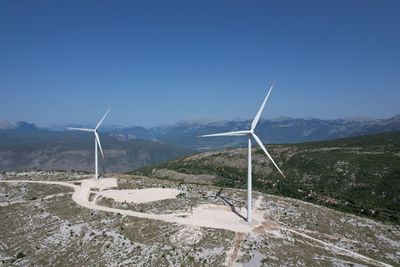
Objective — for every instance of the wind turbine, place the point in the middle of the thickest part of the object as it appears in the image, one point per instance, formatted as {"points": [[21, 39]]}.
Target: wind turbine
{"points": [[96, 141], [250, 133]]}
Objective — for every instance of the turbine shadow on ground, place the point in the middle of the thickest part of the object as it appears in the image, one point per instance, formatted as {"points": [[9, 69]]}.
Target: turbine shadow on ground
{"points": [[230, 202]]}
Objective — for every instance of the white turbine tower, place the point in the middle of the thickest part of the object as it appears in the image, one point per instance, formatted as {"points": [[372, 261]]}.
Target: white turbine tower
{"points": [[250, 133], [96, 141]]}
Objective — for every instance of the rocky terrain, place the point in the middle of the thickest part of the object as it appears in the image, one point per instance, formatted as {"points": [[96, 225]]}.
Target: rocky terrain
{"points": [[65, 218]]}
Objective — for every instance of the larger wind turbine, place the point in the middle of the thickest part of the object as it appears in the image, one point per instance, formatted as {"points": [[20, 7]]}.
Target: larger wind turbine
{"points": [[96, 141], [250, 133]]}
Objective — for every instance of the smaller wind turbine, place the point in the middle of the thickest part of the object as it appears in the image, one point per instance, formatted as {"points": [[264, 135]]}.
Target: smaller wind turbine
{"points": [[96, 141], [250, 133]]}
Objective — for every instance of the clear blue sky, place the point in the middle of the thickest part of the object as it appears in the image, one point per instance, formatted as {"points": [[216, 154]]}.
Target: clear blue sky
{"points": [[160, 62]]}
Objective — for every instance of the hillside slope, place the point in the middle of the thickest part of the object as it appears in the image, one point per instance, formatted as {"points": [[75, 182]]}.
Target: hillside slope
{"points": [[360, 174]]}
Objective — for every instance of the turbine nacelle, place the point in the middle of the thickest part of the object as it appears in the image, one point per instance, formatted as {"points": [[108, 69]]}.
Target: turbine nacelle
{"points": [[250, 132]]}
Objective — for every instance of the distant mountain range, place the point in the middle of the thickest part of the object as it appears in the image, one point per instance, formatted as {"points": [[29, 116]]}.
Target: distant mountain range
{"points": [[281, 130], [25, 146]]}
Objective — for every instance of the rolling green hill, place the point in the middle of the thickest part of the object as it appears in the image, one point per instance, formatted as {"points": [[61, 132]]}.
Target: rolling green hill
{"points": [[359, 175]]}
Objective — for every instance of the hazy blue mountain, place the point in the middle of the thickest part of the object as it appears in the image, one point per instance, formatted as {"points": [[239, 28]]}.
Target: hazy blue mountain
{"points": [[27, 147], [274, 131], [282, 130]]}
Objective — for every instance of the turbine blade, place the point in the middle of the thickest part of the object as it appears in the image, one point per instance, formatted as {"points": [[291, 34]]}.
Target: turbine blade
{"points": [[80, 129], [235, 133], [266, 152], [98, 125], [258, 115], [98, 142]]}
